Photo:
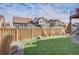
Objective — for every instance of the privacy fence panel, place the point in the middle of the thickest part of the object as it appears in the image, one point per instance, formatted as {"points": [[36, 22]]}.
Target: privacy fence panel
{"points": [[6, 31], [20, 34], [24, 34], [36, 32], [46, 32]]}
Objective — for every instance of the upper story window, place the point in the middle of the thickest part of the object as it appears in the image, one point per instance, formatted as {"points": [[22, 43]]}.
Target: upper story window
{"points": [[41, 21]]}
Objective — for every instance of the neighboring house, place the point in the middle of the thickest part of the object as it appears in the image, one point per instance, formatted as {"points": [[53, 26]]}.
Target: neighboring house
{"points": [[56, 23], [31, 25], [2, 21], [21, 22], [41, 22], [45, 23]]}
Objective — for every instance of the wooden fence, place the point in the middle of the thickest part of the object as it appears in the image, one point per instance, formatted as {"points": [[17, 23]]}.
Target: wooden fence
{"points": [[20, 34]]}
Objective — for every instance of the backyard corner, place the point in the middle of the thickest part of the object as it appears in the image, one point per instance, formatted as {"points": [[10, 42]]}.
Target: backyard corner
{"points": [[58, 45]]}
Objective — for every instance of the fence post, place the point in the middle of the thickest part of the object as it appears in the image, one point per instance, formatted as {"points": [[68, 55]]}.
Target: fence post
{"points": [[51, 31], [42, 32], [17, 35], [31, 33]]}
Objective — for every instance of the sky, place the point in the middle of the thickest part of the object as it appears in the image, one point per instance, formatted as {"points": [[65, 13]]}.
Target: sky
{"points": [[59, 11]]}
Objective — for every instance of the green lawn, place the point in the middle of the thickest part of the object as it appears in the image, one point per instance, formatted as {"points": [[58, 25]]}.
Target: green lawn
{"points": [[52, 46]]}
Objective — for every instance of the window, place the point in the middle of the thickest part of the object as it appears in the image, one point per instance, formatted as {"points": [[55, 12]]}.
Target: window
{"points": [[41, 21]]}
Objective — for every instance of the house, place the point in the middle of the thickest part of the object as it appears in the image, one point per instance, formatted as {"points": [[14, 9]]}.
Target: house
{"points": [[41, 22], [2, 21], [56, 23], [21, 22], [45, 23], [31, 25]]}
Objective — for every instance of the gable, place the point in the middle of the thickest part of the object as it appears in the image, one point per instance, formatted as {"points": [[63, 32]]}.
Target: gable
{"points": [[41, 20]]}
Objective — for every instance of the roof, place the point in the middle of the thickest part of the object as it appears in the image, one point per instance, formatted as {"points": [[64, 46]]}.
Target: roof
{"points": [[21, 20], [42, 18], [57, 20], [74, 13], [36, 19], [75, 16]]}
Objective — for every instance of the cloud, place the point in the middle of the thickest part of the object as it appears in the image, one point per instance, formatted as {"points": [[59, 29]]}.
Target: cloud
{"points": [[59, 11]]}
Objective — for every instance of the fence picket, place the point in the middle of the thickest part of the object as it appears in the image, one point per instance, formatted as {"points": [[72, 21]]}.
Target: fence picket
{"points": [[20, 34]]}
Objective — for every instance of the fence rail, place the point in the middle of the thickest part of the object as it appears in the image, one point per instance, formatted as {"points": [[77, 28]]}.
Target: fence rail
{"points": [[20, 34]]}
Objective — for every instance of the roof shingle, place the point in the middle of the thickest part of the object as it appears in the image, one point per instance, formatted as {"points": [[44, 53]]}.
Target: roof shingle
{"points": [[21, 19]]}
